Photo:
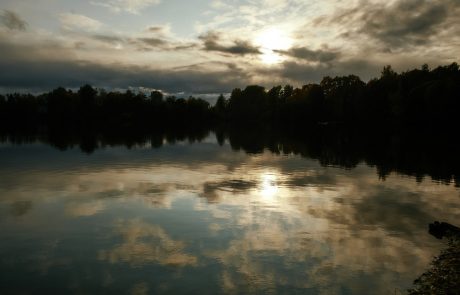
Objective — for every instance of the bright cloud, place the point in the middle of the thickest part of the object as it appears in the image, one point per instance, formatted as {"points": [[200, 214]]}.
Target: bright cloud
{"points": [[71, 21], [131, 6]]}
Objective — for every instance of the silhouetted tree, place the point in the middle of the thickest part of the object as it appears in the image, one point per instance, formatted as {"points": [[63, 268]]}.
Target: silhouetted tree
{"points": [[156, 97], [343, 95], [286, 92], [87, 95], [221, 107]]}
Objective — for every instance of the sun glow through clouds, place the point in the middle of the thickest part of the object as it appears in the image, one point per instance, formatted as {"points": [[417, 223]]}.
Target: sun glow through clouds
{"points": [[271, 40]]}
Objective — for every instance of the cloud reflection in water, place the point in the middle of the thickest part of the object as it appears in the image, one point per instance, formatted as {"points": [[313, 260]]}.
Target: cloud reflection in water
{"points": [[252, 223]]}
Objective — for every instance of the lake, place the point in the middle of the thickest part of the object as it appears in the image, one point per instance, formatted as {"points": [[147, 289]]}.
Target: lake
{"points": [[212, 215]]}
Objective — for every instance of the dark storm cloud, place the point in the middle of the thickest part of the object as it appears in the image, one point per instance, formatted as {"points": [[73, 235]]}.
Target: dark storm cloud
{"points": [[404, 23], [310, 55], [211, 43], [24, 67], [407, 21], [12, 21], [210, 64], [302, 73]]}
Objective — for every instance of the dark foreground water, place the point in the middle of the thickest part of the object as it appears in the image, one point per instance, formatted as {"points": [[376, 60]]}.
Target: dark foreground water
{"points": [[201, 218]]}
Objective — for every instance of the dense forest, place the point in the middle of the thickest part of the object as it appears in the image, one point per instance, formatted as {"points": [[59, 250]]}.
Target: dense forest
{"points": [[416, 97]]}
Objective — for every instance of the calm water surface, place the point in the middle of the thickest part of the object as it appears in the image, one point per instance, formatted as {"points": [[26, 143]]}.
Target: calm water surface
{"points": [[204, 219]]}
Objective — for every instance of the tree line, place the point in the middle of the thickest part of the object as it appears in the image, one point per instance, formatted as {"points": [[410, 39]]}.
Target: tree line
{"points": [[412, 97], [419, 96], [90, 107]]}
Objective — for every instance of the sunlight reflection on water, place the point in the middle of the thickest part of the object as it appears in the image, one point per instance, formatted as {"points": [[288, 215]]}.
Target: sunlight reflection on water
{"points": [[268, 187]]}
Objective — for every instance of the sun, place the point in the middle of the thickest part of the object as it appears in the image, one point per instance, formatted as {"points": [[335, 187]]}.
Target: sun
{"points": [[270, 40]]}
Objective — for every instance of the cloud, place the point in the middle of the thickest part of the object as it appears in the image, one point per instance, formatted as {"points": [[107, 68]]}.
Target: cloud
{"points": [[143, 43], [131, 6], [12, 21], [299, 72], [140, 289], [149, 44], [310, 55], [211, 190], [108, 38], [399, 24], [407, 21], [146, 243], [154, 42], [160, 30], [72, 21], [155, 29], [84, 209], [20, 208], [309, 179], [239, 47], [53, 66]]}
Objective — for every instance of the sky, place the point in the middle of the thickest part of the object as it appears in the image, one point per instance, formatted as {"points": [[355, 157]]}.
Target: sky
{"points": [[212, 46]]}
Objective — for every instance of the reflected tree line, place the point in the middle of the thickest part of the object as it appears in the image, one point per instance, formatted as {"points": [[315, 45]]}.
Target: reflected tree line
{"points": [[403, 151], [398, 122]]}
